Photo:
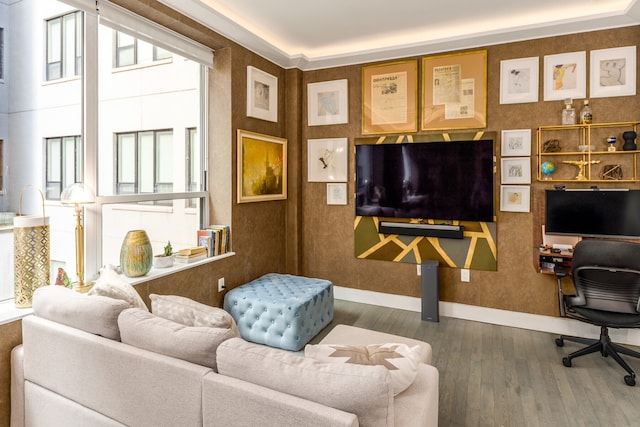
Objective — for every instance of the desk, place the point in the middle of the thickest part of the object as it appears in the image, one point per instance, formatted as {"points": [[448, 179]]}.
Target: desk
{"points": [[547, 261]]}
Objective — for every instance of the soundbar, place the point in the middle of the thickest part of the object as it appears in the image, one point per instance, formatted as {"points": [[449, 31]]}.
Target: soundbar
{"points": [[428, 230]]}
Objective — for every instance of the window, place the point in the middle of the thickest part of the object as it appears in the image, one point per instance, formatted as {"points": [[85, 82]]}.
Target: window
{"points": [[1, 53], [64, 46], [144, 162], [131, 51], [64, 164], [192, 166]]}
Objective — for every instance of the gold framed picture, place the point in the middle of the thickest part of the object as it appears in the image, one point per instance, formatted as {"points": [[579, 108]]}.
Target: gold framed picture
{"points": [[390, 98], [262, 167], [454, 91]]}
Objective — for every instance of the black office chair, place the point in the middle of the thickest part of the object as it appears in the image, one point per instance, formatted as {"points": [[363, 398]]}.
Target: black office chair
{"points": [[606, 275]]}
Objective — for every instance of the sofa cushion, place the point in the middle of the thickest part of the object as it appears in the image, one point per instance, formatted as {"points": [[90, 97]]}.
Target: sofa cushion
{"points": [[110, 284], [400, 359], [365, 391], [195, 344], [191, 313], [96, 314]]}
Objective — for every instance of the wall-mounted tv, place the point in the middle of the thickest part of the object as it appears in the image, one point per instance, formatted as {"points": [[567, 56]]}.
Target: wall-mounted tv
{"points": [[430, 180], [593, 213]]}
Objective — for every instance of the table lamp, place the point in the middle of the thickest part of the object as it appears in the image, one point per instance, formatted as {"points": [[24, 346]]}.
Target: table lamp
{"points": [[78, 194]]}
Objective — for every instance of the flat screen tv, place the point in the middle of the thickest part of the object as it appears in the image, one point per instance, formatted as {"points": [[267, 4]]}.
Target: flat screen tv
{"points": [[593, 213], [431, 180]]}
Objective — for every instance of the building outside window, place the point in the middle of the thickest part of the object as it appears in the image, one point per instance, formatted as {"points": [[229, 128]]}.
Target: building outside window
{"points": [[131, 51], [1, 53], [145, 162], [64, 164], [192, 166], [64, 46]]}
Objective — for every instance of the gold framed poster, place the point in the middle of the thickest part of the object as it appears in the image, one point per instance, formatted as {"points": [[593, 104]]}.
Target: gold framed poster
{"points": [[262, 167], [390, 98], [454, 91]]}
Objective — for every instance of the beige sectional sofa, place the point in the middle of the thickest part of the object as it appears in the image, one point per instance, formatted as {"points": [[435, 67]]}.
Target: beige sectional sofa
{"points": [[94, 361]]}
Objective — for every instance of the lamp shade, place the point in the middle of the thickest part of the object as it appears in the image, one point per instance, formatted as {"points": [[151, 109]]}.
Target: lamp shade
{"points": [[77, 194]]}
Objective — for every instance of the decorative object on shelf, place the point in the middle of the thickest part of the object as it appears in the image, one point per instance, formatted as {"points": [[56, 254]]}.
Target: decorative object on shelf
{"points": [[629, 140], [611, 142], [262, 167], [136, 254], [62, 279], [612, 172], [565, 76], [547, 169], [262, 95], [568, 113], [551, 146], [78, 194], [586, 115], [328, 103], [164, 259], [581, 167], [519, 80], [613, 72], [32, 248]]}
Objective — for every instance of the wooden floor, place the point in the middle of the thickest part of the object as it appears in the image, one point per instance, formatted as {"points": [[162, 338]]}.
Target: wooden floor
{"points": [[500, 376]]}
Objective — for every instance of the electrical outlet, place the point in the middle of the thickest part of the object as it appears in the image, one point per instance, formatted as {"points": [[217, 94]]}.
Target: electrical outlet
{"points": [[464, 274], [221, 286], [419, 269]]}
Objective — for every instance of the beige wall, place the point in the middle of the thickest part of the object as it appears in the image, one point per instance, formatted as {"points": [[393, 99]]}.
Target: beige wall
{"points": [[303, 235]]}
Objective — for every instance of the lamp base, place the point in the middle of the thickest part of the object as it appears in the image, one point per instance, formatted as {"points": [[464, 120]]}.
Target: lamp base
{"points": [[84, 288]]}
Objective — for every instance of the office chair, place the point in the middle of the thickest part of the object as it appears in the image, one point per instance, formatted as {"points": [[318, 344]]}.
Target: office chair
{"points": [[606, 275]]}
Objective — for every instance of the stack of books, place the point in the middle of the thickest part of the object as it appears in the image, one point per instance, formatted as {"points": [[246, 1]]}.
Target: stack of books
{"points": [[189, 255], [215, 238]]}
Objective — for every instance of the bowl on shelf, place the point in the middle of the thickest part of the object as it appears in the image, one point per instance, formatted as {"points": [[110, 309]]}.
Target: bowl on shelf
{"points": [[585, 148]]}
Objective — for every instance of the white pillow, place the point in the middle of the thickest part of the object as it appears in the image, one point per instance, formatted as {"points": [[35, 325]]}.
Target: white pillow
{"points": [[191, 313], [110, 284], [401, 360]]}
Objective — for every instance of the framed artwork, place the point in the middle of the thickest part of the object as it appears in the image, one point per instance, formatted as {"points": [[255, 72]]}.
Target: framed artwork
{"points": [[515, 198], [390, 98], [613, 72], [262, 95], [519, 80], [328, 103], [337, 194], [516, 142], [262, 167], [454, 91], [565, 76], [516, 170], [327, 160]]}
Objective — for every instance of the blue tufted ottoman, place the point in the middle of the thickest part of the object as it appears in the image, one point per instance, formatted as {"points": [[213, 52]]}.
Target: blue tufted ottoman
{"points": [[281, 310]]}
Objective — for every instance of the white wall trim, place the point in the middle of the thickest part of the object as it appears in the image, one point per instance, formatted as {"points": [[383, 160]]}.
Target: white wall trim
{"points": [[535, 322]]}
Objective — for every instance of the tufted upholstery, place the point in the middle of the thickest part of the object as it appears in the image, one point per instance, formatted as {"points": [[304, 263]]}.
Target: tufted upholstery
{"points": [[281, 310]]}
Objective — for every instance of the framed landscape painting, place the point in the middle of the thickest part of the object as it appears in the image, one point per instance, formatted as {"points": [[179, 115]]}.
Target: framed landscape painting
{"points": [[262, 167]]}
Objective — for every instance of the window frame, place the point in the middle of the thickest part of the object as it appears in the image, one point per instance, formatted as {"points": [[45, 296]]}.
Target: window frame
{"points": [[62, 45], [78, 170]]}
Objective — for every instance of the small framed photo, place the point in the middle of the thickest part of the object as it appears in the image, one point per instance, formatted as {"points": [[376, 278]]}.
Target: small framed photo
{"points": [[262, 95], [565, 76], [613, 72], [262, 167], [337, 194], [516, 142], [516, 170], [328, 103], [327, 160], [515, 198], [519, 80]]}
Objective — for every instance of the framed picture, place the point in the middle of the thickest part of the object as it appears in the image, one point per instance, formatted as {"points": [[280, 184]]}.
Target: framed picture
{"points": [[613, 72], [262, 167], [515, 198], [390, 98], [328, 103], [327, 160], [262, 95], [516, 142], [454, 91], [516, 170], [337, 194], [565, 76], [519, 80]]}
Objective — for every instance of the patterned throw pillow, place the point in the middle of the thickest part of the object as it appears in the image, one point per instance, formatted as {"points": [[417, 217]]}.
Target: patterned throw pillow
{"points": [[110, 284], [191, 313], [401, 360]]}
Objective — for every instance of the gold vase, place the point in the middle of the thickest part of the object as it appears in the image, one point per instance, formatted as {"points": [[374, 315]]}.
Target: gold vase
{"points": [[136, 255]]}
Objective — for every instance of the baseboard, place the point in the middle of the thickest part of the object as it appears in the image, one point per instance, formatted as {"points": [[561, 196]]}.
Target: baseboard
{"points": [[515, 319]]}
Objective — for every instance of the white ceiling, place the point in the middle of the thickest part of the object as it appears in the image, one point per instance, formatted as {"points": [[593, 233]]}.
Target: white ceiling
{"points": [[328, 33]]}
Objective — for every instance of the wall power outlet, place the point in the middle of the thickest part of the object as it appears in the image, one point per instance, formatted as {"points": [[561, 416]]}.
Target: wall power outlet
{"points": [[221, 286]]}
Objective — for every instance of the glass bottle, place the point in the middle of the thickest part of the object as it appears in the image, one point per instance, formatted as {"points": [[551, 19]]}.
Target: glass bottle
{"points": [[569, 113], [586, 115]]}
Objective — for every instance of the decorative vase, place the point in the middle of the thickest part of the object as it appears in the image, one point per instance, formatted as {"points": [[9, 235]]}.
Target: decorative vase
{"points": [[136, 255], [629, 140]]}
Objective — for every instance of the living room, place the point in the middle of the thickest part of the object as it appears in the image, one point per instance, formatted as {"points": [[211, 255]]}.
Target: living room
{"points": [[306, 236]]}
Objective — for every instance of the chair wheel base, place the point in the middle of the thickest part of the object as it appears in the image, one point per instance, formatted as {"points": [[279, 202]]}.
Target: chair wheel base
{"points": [[559, 342], [630, 380], [566, 362]]}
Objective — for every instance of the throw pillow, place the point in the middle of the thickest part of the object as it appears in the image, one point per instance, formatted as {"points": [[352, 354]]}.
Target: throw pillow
{"points": [[195, 344], [110, 284], [365, 391], [191, 313], [401, 360], [97, 315]]}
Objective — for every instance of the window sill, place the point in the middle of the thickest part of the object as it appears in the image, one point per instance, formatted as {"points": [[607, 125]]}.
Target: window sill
{"points": [[9, 313]]}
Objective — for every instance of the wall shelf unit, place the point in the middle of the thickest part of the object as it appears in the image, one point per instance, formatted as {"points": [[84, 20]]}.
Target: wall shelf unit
{"points": [[581, 153]]}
